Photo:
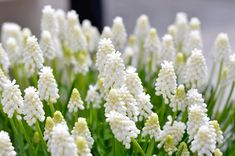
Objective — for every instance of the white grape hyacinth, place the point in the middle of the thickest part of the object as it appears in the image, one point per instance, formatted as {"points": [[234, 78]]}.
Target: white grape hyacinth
{"points": [[6, 148], [4, 60], [123, 128], [82, 147], [3, 79], [106, 33], [105, 47], [13, 51], [218, 131], [195, 24], [62, 143], [12, 99], [179, 101], [194, 42], [61, 22], [32, 55], [231, 66], [33, 107], [166, 82], [197, 117], [168, 51], [49, 21], [47, 86], [47, 45], [142, 28], [204, 142], [81, 129], [93, 97], [121, 101], [194, 97], [144, 106], [152, 127], [75, 101], [222, 48], [119, 35], [196, 69]]}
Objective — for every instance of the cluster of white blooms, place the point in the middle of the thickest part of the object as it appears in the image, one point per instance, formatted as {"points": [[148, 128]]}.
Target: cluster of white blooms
{"points": [[196, 118], [33, 107], [114, 71], [204, 142], [121, 101], [128, 55], [105, 47], [195, 24], [62, 143], [32, 55], [175, 130], [11, 30], [166, 82], [194, 41], [152, 48], [168, 51], [12, 99], [61, 20], [6, 148], [222, 47], [195, 98], [106, 33], [196, 69], [93, 97], [75, 101], [47, 45], [119, 35], [152, 127], [122, 127], [13, 51], [231, 67], [80, 129], [218, 131], [3, 79], [82, 147], [179, 101], [4, 60], [47, 85]]}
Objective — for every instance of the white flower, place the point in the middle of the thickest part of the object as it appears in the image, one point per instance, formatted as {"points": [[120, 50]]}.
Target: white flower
{"points": [[123, 128], [217, 152], [106, 33], [194, 41], [196, 118], [3, 79], [152, 127], [119, 35], [47, 45], [114, 71], [13, 51], [128, 55], [172, 31], [179, 101], [4, 60], [105, 47], [166, 82], [49, 125], [218, 131], [180, 67], [181, 23], [121, 101], [195, 98], [48, 20], [12, 99], [152, 48], [81, 129], [231, 66], [32, 56], [82, 62], [11, 30], [47, 85], [93, 97], [142, 28], [204, 142], [62, 144], [222, 47], [82, 146], [33, 107], [144, 105], [75, 101], [196, 69], [6, 148], [72, 18], [168, 51], [61, 22], [176, 130], [195, 24], [133, 81]]}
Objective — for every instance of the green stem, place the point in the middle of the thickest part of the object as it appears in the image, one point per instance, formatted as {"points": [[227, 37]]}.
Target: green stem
{"points": [[51, 107], [41, 136], [150, 148], [174, 116], [117, 148], [219, 75], [137, 147]]}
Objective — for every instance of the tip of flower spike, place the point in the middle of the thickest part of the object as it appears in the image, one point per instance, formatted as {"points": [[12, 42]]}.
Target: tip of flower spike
{"points": [[153, 32], [47, 9], [49, 123], [195, 23], [58, 117], [167, 40], [217, 152], [46, 35], [72, 17], [180, 58], [118, 21], [81, 123], [180, 91]]}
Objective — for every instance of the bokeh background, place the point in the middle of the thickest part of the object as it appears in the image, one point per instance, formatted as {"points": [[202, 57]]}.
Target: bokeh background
{"points": [[216, 15]]}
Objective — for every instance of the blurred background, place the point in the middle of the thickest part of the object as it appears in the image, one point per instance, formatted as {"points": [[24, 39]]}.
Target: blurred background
{"points": [[216, 15]]}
